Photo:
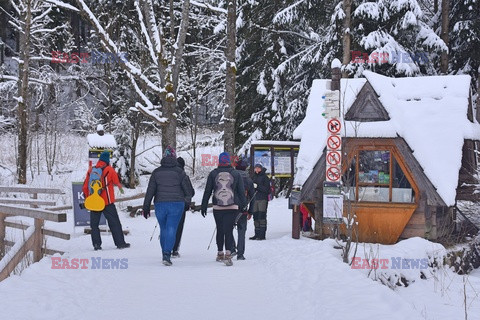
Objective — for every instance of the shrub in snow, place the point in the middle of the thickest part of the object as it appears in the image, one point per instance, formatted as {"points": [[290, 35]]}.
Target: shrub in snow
{"points": [[465, 260]]}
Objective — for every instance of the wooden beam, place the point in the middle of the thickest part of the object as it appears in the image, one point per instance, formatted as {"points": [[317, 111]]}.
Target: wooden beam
{"points": [[27, 201], [59, 208], [45, 232], [56, 234], [137, 196], [33, 213], [17, 257], [30, 190], [88, 230], [46, 251], [16, 225], [2, 235], [51, 252]]}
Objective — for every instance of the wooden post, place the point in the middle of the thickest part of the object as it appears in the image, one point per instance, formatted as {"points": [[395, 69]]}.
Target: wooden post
{"points": [[38, 241], [319, 216], [2, 235], [38, 237], [295, 222]]}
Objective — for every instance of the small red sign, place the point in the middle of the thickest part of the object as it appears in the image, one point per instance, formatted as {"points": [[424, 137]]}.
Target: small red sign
{"points": [[333, 158], [334, 126], [333, 174], [334, 142]]}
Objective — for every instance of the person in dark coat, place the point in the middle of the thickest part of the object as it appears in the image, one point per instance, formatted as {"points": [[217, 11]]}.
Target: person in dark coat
{"points": [[176, 246], [261, 183], [170, 189], [242, 217], [109, 179], [228, 199]]}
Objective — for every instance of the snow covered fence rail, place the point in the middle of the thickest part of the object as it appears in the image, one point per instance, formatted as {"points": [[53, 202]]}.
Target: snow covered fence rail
{"points": [[34, 234]]}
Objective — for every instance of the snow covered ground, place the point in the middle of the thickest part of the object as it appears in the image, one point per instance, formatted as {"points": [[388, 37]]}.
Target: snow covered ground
{"points": [[282, 278]]}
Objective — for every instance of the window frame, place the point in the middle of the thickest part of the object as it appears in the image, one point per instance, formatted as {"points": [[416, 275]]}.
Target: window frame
{"points": [[353, 149]]}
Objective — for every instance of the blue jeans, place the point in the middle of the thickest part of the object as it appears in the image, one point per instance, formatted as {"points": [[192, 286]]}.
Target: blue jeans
{"points": [[168, 216]]}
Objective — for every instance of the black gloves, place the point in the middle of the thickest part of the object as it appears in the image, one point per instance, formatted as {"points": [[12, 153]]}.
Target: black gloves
{"points": [[146, 214], [204, 213]]}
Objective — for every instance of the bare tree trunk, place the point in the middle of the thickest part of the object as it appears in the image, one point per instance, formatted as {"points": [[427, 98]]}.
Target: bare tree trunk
{"points": [[435, 6], [133, 155], [23, 94], [229, 115], [169, 106], [347, 25], [445, 21]]}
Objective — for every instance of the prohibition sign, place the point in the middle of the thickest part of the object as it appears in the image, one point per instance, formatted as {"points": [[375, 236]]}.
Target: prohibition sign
{"points": [[334, 142], [333, 174], [333, 158], [334, 126]]}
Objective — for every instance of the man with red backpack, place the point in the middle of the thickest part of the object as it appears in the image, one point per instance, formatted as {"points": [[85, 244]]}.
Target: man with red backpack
{"points": [[108, 178]]}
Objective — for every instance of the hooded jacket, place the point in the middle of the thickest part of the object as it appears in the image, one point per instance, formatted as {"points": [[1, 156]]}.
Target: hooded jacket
{"points": [[168, 183], [237, 187], [263, 185]]}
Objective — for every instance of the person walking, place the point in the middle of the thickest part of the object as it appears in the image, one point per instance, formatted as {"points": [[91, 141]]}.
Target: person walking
{"points": [[228, 199], [176, 246], [108, 179], [242, 217], [261, 183], [169, 188]]}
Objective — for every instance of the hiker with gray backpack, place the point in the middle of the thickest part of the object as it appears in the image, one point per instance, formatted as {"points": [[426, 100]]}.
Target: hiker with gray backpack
{"points": [[226, 184]]}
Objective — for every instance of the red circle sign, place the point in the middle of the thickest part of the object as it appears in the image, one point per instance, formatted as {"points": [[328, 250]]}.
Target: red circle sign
{"points": [[334, 126], [333, 158], [333, 174], [334, 142]]}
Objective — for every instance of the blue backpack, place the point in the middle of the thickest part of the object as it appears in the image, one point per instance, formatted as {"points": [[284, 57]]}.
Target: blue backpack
{"points": [[95, 178]]}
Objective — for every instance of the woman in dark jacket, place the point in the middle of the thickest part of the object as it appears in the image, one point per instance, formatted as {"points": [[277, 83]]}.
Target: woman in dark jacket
{"points": [[169, 185], [261, 183], [181, 164]]}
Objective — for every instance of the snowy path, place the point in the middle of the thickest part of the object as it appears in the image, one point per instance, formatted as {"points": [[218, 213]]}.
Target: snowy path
{"points": [[282, 278]]}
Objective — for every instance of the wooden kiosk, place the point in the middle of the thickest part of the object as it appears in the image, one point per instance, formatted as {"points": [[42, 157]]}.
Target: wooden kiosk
{"points": [[403, 174]]}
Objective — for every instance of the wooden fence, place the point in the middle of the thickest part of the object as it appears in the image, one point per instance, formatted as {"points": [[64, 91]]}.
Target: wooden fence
{"points": [[10, 206]]}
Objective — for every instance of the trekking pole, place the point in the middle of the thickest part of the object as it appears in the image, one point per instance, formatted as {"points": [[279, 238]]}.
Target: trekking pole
{"points": [[215, 230], [154, 231]]}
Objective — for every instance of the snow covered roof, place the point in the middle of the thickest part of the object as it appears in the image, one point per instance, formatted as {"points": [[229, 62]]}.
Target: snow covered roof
{"points": [[97, 141], [275, 143], [430, 113]]}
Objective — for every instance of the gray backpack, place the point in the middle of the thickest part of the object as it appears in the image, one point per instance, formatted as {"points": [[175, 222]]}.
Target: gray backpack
{"points": [[223, 190]]}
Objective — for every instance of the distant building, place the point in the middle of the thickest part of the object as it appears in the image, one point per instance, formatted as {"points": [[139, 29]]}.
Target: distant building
{"points": [[98, 142]]}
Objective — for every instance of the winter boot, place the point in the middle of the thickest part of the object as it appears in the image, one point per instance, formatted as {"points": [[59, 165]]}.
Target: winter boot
{"points": [[166, 259], [175, 254], [240, 257], [228, 259], [220, 256], [261, 234]]}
